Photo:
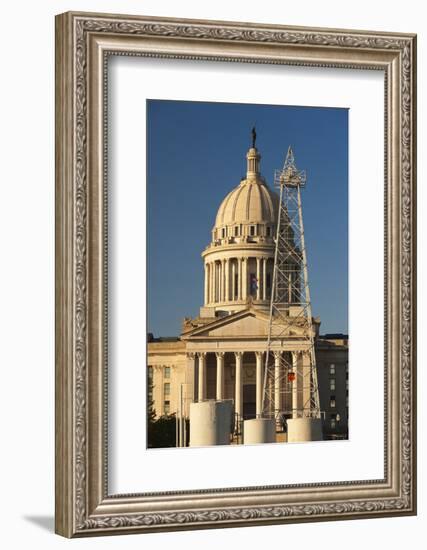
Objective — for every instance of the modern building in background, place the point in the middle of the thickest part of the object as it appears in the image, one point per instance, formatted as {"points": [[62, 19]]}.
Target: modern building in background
{"points": [[220, 354]]}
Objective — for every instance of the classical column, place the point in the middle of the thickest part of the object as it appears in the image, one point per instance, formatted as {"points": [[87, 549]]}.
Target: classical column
{"points": [[238, 400], [239, 278], [259, 382], [227, 280], [305, 390], [216, 282], [219, 281], [206, 284], [223, 280], [245, 279], [190, 373], [258, 278], [295, 385], [277, 404], [219, 375], [264, 278], [233, 278], [212, 277], [209, 283], [213, 282], [202, 376]]}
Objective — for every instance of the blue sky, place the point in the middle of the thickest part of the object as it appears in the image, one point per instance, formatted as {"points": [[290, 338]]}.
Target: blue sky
{"points": [[196, 155]]}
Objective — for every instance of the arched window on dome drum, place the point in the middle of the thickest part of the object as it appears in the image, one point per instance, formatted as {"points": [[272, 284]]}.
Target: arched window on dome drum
{"points": [[268, 231], [236, 231], [223, 232]]}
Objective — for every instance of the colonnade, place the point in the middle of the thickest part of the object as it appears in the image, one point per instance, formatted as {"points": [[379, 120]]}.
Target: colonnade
{"points": [[277, 389], [221, 276]]}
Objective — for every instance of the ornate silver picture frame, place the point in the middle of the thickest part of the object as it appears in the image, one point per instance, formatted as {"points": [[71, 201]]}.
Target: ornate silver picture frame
{"points": [[84, 42]]}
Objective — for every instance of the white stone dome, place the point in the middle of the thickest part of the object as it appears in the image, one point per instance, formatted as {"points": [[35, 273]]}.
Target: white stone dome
{"points": [[251, 201]]}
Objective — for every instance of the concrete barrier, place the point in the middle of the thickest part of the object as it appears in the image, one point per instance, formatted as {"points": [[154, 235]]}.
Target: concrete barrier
{"points": [[259, 430], [210, 423], [304, 429]]}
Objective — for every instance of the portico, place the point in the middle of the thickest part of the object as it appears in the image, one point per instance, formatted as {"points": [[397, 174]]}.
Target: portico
{"points": [[227, 358], [225, 375]]}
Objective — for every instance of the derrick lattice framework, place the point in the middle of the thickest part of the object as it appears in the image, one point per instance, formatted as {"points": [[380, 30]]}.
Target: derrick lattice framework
{"points": [[290, 388]]}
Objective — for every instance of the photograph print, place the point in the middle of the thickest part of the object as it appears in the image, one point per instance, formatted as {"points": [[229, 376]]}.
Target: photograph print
{"points": [[247, 274]]}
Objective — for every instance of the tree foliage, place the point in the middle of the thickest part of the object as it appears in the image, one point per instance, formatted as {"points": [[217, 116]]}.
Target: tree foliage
{"points": [[161, 432]]}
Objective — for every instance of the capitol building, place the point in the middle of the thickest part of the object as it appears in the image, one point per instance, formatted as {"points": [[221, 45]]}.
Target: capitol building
{"points": [[220, 354]]}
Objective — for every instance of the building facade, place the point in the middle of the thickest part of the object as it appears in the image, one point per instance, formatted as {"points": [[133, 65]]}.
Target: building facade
{"points": [[221, 353]]}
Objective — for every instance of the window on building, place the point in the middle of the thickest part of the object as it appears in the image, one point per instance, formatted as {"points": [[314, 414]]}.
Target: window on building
{"points": [[167, 372], [236, 231], [223, 232], [333, 421], [332, 384], [252, 230], [268, 280], [332, 368], [268, 231], [236, 285], [332, 402], [167, 388], [166, 407]]}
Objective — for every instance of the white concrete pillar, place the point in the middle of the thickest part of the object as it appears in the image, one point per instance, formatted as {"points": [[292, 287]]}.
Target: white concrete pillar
{"points": [[202, 376], [210, 423], [220, 375], [258, 278], [277, 373], [206, 284], [259, 382], [238, 399], [264, 278], [295, 385], [259, 430], [245, 279], [227, 280], [304, 429]]}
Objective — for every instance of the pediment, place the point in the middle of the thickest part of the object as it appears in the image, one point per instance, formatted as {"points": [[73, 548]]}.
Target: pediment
{"points": [[249, 323]]}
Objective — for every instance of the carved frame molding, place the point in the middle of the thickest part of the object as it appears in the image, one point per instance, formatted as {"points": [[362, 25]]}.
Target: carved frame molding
{"points": [[83, 43]]}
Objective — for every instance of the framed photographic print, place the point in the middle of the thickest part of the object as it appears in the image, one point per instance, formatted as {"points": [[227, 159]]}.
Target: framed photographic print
{"points": [[235, 274]]}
